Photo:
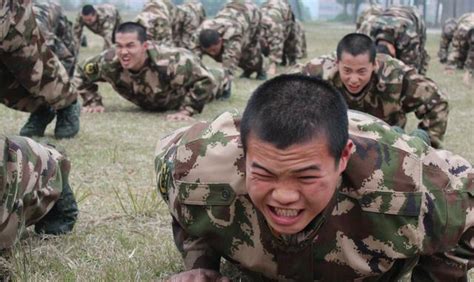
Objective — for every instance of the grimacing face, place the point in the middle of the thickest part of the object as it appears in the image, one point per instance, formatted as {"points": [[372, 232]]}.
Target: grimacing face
{"points": [[89, 19], [214, 50], [290, 187], [130, 51], [355, 71]]}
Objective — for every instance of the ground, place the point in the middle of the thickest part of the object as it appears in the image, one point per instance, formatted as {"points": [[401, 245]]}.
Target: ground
{"points": [[123, 232]]}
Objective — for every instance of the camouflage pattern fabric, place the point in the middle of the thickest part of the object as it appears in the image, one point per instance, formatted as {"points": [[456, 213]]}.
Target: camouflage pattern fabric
{"points": [[31, 76], [57, 31], [31, 181], [372, 12], [277, 23], [447, 33], [172, 79], [158, 18], [108, 18], [189, 17], [405, 28], [295, 45], [238, 23], [400, 206], [395, 89], [462, 51]]}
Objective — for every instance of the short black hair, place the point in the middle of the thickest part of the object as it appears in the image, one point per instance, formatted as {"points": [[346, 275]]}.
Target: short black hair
{"points": [[356, 44], [208, 37], [88, 10], [292, 109], [131, 27]]}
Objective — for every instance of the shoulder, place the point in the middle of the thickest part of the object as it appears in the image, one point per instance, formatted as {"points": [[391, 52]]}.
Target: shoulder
{"points": [[99, 64], [391, 70], [323, 66]]}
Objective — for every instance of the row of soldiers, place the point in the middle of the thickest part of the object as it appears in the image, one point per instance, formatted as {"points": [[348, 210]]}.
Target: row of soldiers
{"points": [[378, 84]]}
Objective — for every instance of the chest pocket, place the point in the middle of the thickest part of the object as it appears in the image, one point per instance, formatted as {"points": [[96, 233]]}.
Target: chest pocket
{"points": [[216, 194]]}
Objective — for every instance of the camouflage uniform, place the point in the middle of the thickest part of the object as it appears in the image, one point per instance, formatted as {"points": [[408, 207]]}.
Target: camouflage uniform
{"points": [[277, 22], [172, 79], [158, 17], [446, 37], [462, 52], [31, 76], [403, 27], [57, 31], [108, 18], [295, 45], [395, 89], [32, 178], [189, 17], [400, 206], [367, 16], [238, 23]]}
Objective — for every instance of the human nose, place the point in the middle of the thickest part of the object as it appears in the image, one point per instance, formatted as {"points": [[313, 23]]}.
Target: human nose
{"points": [[285, 193]]}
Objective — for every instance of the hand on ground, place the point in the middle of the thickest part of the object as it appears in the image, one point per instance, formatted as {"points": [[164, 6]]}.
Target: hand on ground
{"points": [[198, 275], [180, 116], [93, 109]]}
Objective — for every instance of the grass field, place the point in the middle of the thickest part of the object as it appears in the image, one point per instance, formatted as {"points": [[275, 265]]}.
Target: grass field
{"points": [[123, 232]]}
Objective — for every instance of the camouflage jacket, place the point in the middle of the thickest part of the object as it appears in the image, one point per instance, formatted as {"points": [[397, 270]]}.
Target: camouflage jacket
{"points": [[447, 33], [108, 18], [31, 181], [158, 17], [372, 12], [238, 24], [394, 90], [399, 205], [31, 76], [405, 28], [189, 17], [462, 51], [172, 79], [277, 22], [57, 31]]}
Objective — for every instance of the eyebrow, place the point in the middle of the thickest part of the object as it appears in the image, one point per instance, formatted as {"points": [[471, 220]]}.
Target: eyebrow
{"points": [[304, 169]]}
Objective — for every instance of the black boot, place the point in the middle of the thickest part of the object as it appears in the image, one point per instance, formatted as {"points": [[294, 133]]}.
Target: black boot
{"points": [[62, 217], [37, 122], [67, 121]]}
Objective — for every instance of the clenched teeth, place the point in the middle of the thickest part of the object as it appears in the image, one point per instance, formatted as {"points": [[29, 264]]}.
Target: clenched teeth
{"points": [[286, 212]]}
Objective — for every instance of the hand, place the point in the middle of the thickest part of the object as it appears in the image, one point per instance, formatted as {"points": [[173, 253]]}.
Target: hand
{"points": [[448, 71], [198, 275], [93, 109], [272, 70], [467, 78], [180, 116]]}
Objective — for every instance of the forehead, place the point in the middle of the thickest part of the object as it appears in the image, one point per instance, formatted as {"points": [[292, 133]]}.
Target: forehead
{"points": [[126, 37], [349, 60]]}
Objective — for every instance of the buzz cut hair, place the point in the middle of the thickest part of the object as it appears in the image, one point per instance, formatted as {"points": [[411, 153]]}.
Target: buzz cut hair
{"points": [[88, 10], [208, 38], [293, 109], [356, 44], [132, 27]]}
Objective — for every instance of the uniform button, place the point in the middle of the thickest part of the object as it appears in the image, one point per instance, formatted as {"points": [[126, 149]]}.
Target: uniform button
{"points": [[225, 195]]}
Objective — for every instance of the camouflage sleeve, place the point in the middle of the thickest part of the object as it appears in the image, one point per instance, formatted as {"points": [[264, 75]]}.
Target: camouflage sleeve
{"points": [[85, 80], [323, 67], [422, 96], [276, 40], [158, 27], [457, 55], [444, 47], [232, 52], [31, 179], [469, 64], [77, 29], [195, 46], [458, 192], [199, 83], [195, 251], [108, 30], [409, 50]]}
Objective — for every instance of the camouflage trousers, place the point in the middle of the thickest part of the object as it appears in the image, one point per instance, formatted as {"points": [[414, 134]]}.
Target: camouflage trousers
{"points": [[31, 76], [31, 181], [295, 44]]}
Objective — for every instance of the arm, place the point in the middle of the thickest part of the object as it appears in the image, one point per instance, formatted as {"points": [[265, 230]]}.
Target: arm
{"points": [[422, 96], [85, 80], [232, 52], [444, 47], [458, 53], [77, 29]]}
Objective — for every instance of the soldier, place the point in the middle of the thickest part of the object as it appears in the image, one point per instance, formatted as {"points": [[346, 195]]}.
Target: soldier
{"points": [[57, 31], [306, 191], [367, 16], [34, 189], [295, 45], [32, 79], [446, 37], [155, 78], [403, 32], [232, 38], [100, 19], [462, 51], [158, 18], [189, 17], [277, 23], [382, 86]]}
